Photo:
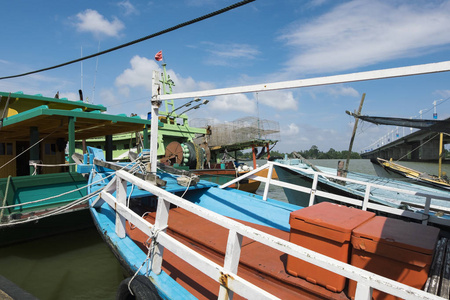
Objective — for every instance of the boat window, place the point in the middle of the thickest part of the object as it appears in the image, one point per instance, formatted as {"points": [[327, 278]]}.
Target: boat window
{"points": [[6, 149], [50, 149]]}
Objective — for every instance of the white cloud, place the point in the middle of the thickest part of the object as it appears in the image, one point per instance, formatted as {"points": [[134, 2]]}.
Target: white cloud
{"points": [[237, 102], [128, 8], [361, 33], [109, 99], [342, 90], [69, 96], [91, 21], [229, 54], [278, 99], [292, 130], [140, 75]]}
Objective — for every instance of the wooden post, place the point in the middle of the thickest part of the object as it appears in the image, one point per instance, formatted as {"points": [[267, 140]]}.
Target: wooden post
{"points": [[161, 221], [353, 136], [34, 151], [231, 263], [121, 197], [254, 156], [71, 130]]}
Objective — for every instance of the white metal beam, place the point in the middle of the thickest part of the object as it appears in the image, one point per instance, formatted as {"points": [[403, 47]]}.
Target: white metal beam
{"points": [[352, 77]]}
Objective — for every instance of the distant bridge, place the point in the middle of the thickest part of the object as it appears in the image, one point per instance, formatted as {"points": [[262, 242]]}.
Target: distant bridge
{"points": [[422, 145]]}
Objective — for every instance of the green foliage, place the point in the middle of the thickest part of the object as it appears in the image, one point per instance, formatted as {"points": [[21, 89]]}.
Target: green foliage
{"points": [[315, 153], [312, 153]]}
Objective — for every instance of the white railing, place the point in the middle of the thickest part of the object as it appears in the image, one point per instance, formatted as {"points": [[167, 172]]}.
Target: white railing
{"points": [[364, 204], [226, 275]]}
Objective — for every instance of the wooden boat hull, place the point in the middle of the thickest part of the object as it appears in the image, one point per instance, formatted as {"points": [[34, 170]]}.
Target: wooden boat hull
{"points": [[34, 219], [76, 219], [389, 169], [178, 279]]}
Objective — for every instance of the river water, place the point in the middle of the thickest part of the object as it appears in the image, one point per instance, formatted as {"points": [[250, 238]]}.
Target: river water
{"points": [[79, 265]]}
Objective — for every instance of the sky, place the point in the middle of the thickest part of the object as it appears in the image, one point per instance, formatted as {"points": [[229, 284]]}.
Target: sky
{"points": [[260, 42]]}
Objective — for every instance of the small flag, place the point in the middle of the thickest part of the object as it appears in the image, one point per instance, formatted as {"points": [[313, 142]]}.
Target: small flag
{"points": [[158, 56]]}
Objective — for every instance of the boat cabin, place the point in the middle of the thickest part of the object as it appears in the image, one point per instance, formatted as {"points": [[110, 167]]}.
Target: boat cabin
{"points": [[38, 133]]}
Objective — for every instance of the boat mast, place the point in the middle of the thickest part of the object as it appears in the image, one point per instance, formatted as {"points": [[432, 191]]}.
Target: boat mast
{"points": [[167, 81], [156, 103]]}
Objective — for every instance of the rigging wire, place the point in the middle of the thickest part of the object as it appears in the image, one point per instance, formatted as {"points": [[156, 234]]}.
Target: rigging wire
{"points": [[196, 20]]}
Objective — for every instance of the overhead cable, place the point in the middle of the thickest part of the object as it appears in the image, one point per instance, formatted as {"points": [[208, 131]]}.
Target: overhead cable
{"points": [[204, 17]]}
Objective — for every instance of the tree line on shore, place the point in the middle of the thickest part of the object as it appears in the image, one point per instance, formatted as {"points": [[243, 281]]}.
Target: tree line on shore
{"points": [[312, 153]]}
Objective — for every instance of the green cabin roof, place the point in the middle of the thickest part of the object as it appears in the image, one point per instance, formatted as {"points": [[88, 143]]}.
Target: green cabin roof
{"points": [[51, 116]]}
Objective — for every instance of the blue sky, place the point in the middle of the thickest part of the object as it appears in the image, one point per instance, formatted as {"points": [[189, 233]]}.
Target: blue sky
{"points": [[264, 41]]}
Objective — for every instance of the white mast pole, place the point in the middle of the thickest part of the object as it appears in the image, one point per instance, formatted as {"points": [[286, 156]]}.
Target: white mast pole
{"points": [[156, 89]]}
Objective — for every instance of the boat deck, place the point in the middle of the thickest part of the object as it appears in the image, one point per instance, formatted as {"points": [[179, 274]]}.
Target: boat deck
{"points": [[259, 264]]}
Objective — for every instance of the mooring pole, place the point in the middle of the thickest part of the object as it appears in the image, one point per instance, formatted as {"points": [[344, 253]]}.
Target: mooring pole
{"points": [[353, 136]]}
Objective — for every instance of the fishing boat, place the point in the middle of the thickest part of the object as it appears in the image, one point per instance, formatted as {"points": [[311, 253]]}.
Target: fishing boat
{"points": [[332, 180], [208, 150], [40, 192], [181, 237], [390, 169], [181, 240]]}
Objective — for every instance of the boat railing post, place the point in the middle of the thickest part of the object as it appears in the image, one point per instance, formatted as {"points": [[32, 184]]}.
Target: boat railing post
{"points": [[312, 195], [121, 197], [269, 177], [231, 263], [363, 292], [5, 197], [366, 197], [426, 209], [161, 221]]}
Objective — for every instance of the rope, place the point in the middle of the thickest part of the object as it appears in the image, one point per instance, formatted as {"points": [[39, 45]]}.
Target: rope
{"points": [[187, 187], [35, 165], [53, 212], [66, 193], [150, 253], [204, 17]]}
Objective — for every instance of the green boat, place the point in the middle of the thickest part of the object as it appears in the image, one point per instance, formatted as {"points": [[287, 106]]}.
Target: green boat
{"points": [[40, 192], [208, 150]]}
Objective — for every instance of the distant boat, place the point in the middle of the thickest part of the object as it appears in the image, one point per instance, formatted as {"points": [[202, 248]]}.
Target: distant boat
{"points": [[327, 179], [389, 169]]}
